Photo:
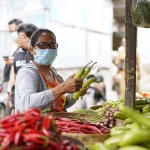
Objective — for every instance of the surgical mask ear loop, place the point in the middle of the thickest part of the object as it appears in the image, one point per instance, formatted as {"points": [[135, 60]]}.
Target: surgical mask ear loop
{"points": [[30, 41], [35, 53]]}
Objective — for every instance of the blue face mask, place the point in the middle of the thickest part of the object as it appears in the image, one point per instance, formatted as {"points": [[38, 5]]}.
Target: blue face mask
{"points": [[14, 35], [45, 57]]}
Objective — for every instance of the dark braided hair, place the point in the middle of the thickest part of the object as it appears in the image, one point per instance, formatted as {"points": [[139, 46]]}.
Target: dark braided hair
{"points": [[33, 40]]}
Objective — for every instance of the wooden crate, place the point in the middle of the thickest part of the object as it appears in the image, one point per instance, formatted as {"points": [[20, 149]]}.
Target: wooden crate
{"points": [[75, 141], [88, 139]]}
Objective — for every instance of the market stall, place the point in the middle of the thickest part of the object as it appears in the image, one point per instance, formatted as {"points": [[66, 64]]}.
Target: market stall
{"points": [[114, 125]]}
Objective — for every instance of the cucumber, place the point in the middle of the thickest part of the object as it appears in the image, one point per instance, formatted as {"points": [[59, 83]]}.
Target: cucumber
{"points": [[147, 114], [147, 145], [146, 109], [112, 143], [118, 130], [133, 147], [136, 116], [142, 102], [119, 115], [97, 146], [140, 107], [134, 137], [127, 121]]}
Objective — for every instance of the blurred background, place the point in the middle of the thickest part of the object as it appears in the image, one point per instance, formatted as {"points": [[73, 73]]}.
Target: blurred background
{"points": [[86, 30]]}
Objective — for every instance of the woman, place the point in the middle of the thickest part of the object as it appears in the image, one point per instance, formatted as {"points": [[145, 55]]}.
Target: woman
{"points": [[37, 83]]}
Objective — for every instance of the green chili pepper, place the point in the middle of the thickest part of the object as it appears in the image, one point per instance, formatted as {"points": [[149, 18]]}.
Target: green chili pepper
{"points": [[81, 71], [88, 69], [76, 95]]}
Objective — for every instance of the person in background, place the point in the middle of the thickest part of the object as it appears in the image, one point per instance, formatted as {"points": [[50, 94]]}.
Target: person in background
{"points": [[8, 69], [12, 25], [120, 62], [37, 83], [24, 32], [115, 77]]}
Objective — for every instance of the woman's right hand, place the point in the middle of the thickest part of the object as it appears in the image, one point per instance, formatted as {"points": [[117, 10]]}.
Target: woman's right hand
{"points": [[72, 85]]}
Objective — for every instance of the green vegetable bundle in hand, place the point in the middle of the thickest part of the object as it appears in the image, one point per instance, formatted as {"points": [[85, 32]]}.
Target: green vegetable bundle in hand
{"points": [[82, 73]]}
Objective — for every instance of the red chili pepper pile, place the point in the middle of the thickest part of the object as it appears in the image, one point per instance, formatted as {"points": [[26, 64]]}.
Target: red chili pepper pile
{"points": [[76, 126], [32, 131]]}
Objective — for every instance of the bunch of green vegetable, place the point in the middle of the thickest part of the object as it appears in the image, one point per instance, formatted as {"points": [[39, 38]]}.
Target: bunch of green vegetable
{"points": [[141, 13], [82, 73], [103, 115], [135, 136]]}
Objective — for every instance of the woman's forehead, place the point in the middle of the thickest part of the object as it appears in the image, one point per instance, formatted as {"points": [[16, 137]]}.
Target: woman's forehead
{"points": [[46, 37]]}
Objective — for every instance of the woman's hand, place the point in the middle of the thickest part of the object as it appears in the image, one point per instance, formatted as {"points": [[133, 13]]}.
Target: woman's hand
{"points": [[72, 85]]}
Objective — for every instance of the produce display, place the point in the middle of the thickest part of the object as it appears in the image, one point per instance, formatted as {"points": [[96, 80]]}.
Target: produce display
{"points": [[42, 130], [32, 131], [134, 135], [140, 13], [81, 127], [104, 115]]}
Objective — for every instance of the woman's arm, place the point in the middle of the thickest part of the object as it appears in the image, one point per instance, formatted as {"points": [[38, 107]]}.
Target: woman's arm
{"points": [[27, 84]]}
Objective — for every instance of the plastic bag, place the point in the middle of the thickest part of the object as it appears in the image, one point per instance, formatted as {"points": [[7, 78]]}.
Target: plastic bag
{"points": [[140, 11]]}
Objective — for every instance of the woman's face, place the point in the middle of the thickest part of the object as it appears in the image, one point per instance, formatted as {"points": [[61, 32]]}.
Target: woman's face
{"points": [[44, 41]]}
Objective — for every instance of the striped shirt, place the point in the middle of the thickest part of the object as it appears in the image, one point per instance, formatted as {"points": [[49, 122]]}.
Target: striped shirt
{"points": [[31, 90]]}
